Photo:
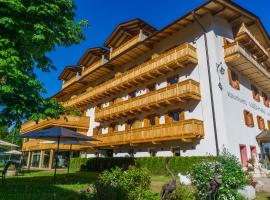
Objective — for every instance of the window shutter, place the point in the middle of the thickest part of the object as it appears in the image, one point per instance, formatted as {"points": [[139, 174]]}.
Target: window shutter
{"points": [[146, 122], [156, 120], [167, 118], [182, 116], [127, 126]]}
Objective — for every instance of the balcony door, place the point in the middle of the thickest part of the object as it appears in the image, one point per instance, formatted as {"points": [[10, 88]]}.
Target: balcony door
{"points": [[243, 153]]}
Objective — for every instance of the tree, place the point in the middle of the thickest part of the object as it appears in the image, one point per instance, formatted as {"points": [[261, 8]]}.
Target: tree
{"points": [[29, 30], [10, 135]]}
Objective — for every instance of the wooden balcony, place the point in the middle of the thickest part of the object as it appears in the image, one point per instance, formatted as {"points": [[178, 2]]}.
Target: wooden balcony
{"points": [[158, 66], [78, 122], [184, 130], [179, 92], [126, 45], [248, 64], [248, 40]]}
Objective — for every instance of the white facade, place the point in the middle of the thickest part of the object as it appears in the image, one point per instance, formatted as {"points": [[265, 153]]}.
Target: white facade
{"points": [[229, 103]]}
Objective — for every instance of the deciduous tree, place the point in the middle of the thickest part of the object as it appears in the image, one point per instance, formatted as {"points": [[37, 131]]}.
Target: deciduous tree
{"points": [[29, 29]]}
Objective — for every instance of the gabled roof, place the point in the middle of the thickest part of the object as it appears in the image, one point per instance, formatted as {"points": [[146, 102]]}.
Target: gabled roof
{"points": [[232, 12], [69, 72], [127, 30], [92, 55]]}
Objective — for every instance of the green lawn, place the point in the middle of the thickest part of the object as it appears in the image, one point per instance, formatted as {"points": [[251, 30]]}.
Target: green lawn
{"points": [[39, 186]]}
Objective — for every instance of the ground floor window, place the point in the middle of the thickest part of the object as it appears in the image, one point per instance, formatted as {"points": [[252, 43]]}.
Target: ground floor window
{"points": [[35, 159]]}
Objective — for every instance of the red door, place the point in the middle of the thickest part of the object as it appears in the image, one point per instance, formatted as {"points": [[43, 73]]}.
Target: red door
{"points": [[243, 153], [253, 152]]}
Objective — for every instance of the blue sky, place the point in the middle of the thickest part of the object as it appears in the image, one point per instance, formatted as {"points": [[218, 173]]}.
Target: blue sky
{"points": [[105, 15]]}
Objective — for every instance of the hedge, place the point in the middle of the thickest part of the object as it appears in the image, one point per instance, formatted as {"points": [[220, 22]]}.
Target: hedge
{"points": [[156, 165]]}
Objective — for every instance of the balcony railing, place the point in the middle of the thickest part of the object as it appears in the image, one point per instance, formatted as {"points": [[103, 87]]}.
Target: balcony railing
{"points": [[183, 91], [248, 64], [183, 130], [79, 122], [151, 69], [126, 45]]}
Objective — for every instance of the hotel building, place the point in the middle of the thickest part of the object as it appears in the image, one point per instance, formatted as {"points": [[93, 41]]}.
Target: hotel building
{"points": [[198, 85]]}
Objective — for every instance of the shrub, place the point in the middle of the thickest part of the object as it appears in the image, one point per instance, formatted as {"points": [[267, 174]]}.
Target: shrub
{"points": [[156, 165], [133, 184], [78, 164], [228, 169], [182, 192]]}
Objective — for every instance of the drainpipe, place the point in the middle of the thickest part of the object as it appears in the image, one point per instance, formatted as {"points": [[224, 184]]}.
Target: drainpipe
{"points": [[209, 80]]}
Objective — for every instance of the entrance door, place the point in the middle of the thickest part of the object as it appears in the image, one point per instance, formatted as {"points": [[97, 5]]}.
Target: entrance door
{"points": [[253, 152], [243, 153]]}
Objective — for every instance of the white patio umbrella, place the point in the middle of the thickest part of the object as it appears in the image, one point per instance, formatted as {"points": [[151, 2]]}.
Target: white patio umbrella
{"points": [[57, 134], [7, 144], [13, 152]]}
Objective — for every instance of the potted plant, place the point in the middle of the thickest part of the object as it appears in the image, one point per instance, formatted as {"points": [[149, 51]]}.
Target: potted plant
{"points": [[11, 170]]}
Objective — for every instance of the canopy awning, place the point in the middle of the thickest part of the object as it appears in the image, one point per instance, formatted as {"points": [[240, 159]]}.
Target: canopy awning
{"points": [[264, 136]]}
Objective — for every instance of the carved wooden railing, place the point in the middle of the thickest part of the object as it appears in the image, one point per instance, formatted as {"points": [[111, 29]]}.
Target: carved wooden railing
{"points": [[185, 90], [151, 69], [183, 130]]}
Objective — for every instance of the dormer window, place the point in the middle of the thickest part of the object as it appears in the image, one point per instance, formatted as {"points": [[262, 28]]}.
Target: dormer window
{"points": [[233, 79], [255, 93]]}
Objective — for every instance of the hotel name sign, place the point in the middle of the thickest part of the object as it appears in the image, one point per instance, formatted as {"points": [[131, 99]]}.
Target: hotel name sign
{"points": [[247, 103]]}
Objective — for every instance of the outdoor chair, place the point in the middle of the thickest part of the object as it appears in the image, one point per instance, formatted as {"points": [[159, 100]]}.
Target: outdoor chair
{"points": [[4, 171]]}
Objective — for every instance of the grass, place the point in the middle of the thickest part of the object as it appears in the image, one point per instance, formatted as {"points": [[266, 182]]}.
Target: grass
{"points": [[38, 185]]}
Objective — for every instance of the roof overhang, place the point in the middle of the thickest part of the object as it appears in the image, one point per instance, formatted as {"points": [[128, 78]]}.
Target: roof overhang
{"points": [[69, 72], [92, 55], [127, 30]]}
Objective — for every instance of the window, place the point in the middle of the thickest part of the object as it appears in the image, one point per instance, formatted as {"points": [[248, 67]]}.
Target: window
{"points": [[176, 151], [152, 121], [233, 79], [255, 93], [176, 116], [132, 94], [172, 80], [260, 122], [265, 99], [113, 128], [97, 130], [151, 87], [268, 123], [248, 119], [152, 152]]}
